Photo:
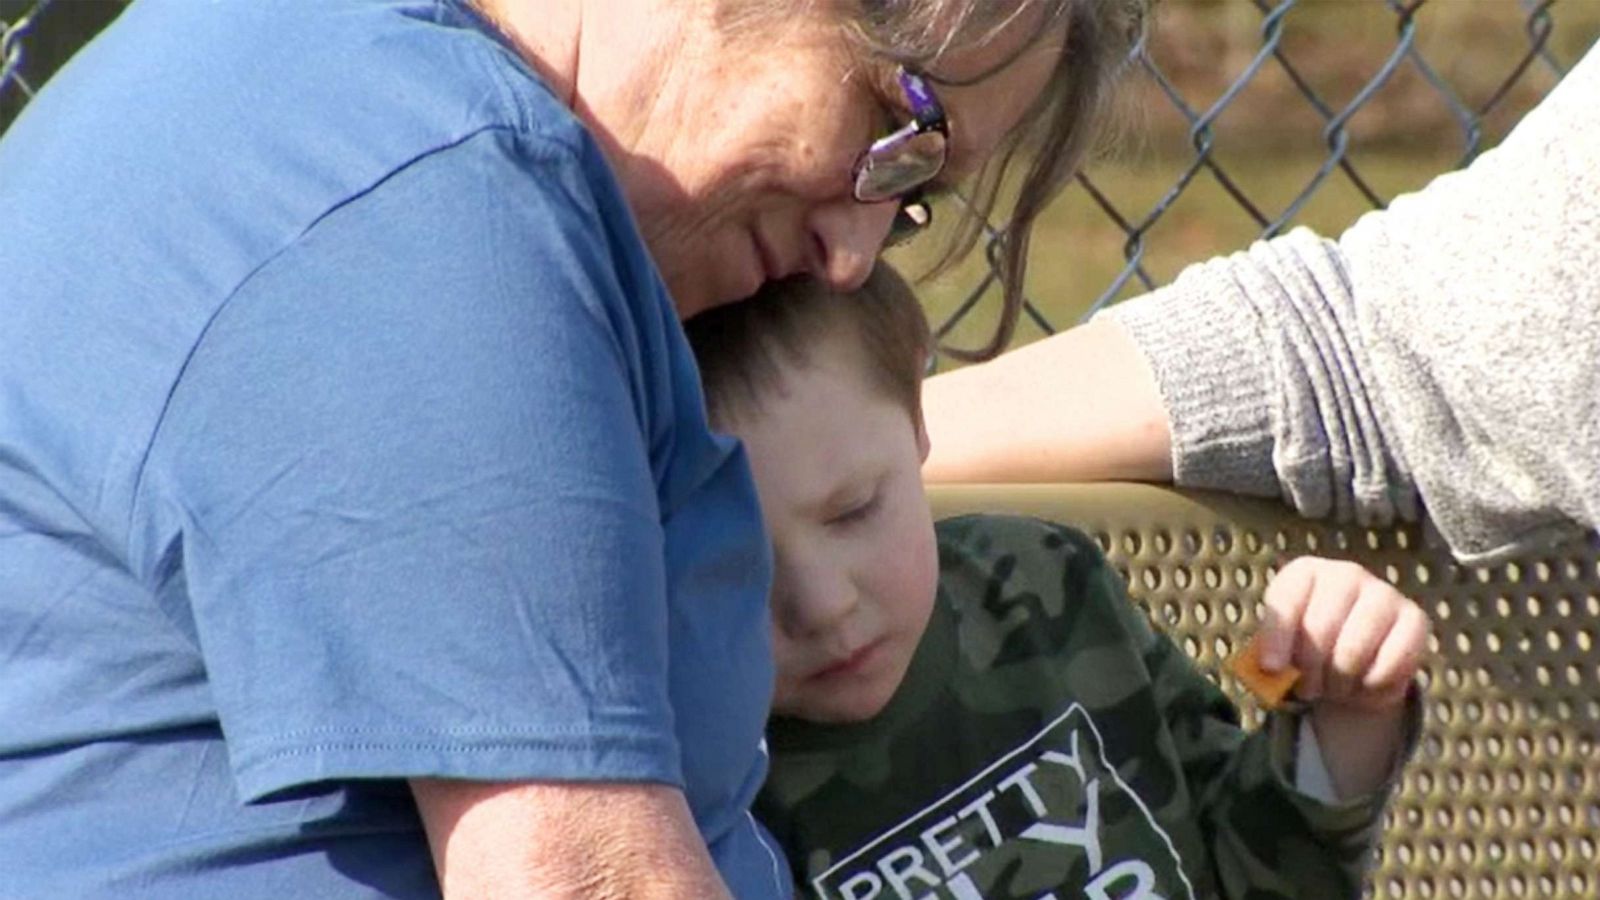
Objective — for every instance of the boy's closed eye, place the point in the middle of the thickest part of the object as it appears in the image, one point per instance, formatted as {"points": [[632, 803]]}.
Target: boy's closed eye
{"points": [[856, 511]]}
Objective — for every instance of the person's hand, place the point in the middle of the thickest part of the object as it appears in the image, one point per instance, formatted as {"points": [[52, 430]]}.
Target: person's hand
{"points": [[1357, 643], [1355, 639]]}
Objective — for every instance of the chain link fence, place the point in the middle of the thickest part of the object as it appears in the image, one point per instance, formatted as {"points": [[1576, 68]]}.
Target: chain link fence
{"points": [[1245, 118], [37, 37], [1252, 117]]}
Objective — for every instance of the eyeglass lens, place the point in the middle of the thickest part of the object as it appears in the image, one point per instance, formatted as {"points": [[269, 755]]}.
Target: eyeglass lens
{"points": [[900, 163]]}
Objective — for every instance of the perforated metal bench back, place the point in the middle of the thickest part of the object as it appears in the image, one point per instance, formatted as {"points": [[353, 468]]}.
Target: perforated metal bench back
{"points": [[1503, 798]]}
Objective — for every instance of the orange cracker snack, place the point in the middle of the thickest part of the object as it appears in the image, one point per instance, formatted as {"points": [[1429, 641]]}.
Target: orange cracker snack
{"points": [[1270, 688]]}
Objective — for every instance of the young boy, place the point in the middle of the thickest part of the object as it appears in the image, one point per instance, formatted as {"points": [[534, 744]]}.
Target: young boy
{"points": [[976, 710]]}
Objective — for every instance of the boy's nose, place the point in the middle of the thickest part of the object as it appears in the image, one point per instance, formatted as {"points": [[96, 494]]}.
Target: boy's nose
{"points": [[816, 605]]}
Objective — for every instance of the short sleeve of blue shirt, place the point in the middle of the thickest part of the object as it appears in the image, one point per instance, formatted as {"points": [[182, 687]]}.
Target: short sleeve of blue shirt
{"points": [[410, 459]]}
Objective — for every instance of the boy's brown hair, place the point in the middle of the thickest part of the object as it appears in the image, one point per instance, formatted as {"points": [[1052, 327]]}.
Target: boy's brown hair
{"points": [[743, 347]]}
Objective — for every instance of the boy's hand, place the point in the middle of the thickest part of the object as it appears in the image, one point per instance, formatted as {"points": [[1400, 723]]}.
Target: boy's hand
{"points": [[1357, 642], [1355, 639]]}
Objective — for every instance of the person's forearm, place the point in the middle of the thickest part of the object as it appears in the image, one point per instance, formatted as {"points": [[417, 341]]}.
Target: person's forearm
{"points": [[1359, 747], [590, 841], [1079, 406]]}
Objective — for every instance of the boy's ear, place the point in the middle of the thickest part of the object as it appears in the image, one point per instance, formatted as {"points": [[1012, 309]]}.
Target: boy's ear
{"points": [[923, 444]]}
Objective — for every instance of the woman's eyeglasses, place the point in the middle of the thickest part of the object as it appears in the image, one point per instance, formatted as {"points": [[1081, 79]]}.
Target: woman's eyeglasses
{"points": [[898, 166]]}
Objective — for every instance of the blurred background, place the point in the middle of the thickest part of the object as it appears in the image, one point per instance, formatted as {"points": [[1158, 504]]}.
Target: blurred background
{"points": [[1246, 118], [1240, 119]]}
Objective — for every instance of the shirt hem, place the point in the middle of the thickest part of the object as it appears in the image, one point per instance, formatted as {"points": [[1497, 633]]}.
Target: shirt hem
{"points": [[630, 759]]}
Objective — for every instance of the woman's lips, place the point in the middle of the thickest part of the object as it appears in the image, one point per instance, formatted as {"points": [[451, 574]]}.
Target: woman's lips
{"points": [[771, 266]]}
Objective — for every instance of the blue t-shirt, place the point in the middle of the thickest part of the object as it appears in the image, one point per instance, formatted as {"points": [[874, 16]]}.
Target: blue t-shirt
{"points": [[347, 433]]}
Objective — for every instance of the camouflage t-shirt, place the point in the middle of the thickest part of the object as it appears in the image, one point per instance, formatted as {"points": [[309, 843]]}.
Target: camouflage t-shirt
{"points": [[1047, 743]]}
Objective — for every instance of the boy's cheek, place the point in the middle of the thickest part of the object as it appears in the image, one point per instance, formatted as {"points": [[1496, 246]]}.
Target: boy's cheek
{"points": [[781, 706], [785, 701], [918, 574], [784, 687]]}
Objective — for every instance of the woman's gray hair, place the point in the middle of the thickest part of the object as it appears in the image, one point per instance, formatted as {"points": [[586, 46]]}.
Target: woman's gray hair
{"points": [[1054, 135]]}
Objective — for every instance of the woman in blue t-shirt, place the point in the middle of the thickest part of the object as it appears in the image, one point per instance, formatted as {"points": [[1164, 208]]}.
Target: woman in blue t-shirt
{"points": [[352, 462]]}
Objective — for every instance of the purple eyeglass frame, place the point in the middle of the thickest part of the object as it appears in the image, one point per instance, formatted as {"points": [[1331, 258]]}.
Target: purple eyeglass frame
{"points": [[927, 118]]}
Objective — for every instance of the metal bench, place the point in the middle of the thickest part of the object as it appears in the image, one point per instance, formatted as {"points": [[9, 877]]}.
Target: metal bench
{"points": [[1503, 797]]}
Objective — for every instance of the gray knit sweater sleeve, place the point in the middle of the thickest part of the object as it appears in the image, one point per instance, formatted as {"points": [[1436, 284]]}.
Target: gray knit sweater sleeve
{"points": [[1447, 348]]}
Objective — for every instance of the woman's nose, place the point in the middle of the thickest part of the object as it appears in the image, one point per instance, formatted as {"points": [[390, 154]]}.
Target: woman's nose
{"points": [[849, 236]]}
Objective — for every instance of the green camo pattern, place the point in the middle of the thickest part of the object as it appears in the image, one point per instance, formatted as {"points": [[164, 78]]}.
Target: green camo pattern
{"points": [[1047, 743]]}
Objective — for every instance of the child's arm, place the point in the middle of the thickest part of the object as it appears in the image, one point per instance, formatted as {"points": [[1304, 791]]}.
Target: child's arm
{"points": [[1357, 643], [1264, 835]]}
